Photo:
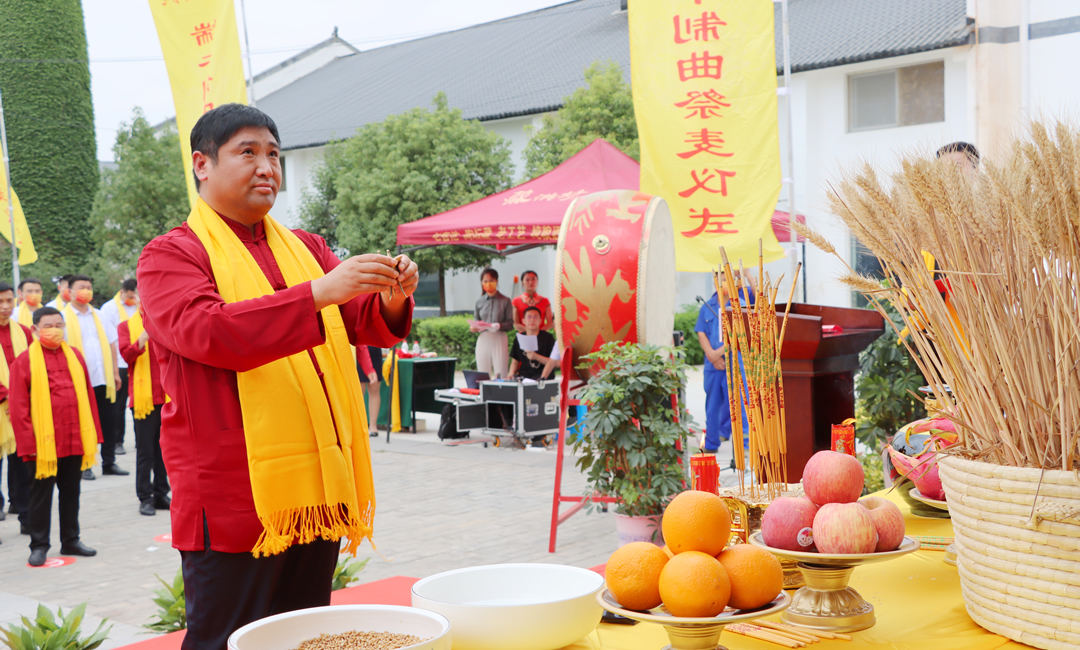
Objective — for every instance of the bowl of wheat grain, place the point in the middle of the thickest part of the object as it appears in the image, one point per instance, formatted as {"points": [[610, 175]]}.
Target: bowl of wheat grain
{"points": [[346, 627]]}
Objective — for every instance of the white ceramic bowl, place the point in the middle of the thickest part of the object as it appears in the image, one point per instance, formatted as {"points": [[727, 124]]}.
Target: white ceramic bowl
{"points": [[287, 631], [519, 606]]}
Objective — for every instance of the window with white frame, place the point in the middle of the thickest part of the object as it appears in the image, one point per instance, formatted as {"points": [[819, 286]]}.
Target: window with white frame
{"points": [[913, 94]]}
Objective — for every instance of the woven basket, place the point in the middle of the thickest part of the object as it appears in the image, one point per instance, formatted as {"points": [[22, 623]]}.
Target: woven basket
{"points": [[1019, 566]]}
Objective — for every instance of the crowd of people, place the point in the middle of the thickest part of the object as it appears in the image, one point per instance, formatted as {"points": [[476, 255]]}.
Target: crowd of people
{"points": [[529, 316], [70, 371]]}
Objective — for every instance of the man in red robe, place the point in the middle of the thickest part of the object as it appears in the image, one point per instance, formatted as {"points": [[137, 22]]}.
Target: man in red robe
{"points": [[203, 342], [18, 477], [49, 326]]}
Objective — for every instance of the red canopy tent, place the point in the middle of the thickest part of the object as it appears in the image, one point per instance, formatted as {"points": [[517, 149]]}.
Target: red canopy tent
{"points": [[530, 214]]}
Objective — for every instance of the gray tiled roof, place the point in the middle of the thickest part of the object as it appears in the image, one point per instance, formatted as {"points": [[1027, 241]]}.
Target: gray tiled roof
{"points": [[527, 64]]}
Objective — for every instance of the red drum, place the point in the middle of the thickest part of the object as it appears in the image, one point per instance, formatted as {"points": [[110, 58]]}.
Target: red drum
{"points": [[615, 272]]}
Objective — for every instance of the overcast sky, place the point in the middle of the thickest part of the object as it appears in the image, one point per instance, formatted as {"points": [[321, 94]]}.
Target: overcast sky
{"points": [[127, 70]]}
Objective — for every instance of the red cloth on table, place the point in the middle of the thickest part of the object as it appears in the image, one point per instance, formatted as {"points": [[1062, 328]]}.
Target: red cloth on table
{"points": [[65, 407], [202, 343], [524, 301], [9, 352], [130, 352], [363, 357]]}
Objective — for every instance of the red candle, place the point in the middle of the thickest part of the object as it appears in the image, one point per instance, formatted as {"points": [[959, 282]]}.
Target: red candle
{"points": [[705, 472]]}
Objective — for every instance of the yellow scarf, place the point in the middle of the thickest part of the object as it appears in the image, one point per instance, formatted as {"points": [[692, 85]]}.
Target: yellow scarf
{"points": [[74, 337], [142, 388], [308, 478], [41, 411], [26, 316], [7, 434], [121, 310]]}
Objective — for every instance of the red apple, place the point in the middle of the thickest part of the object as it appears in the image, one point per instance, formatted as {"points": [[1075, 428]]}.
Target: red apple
{"points": [[788, 524], [844, 528], [832, 477], [888, 520]]}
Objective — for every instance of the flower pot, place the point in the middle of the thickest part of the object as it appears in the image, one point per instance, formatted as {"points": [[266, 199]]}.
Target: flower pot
{"points": [[639, 529], [1018, 558]]}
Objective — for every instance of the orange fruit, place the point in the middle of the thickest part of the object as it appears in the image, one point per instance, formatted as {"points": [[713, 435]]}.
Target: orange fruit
{"points": [[694, 584], [696, 521], [755, 574], [633, 574]]}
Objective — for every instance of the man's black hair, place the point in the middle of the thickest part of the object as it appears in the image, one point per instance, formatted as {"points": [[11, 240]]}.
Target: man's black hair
{"points": [[129, 285], [27, 281], [528, 309], [45, 311], [4, 286], [489, 271], [528, 272], [965, 148], [66, 278], [217, 125], [72, 279]]}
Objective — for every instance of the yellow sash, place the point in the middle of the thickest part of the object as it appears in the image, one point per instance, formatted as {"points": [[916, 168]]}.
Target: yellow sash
{"points": [[309, 478], [41, 411], [74, 337], [142, 388], [7, 434], [26, 315], [121, 310]]}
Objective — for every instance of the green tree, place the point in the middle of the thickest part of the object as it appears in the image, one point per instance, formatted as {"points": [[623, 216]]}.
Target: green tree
{"points": [[142, 198], [45, 81], [604, 109], [405, 168], [885, 386]]}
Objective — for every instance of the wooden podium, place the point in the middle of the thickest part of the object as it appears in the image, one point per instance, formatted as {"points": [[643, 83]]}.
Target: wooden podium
{"points": [[819, 374]]}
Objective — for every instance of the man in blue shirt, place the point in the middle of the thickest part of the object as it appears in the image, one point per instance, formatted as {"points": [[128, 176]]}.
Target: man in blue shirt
{"points": [[717, 407]]}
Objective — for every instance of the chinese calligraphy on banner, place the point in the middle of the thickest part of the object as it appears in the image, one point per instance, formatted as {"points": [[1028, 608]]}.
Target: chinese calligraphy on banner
{"points": [[704, 82], [23, 241], [202, 53]]}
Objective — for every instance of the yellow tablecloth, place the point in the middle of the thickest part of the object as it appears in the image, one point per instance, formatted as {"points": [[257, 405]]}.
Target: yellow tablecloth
{"points": [[916, 600]]}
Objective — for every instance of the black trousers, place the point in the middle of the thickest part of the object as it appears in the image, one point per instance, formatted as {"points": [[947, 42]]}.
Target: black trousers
{"points": [[148, 458], [106, 413], [68, 481], [19, 478], [119, 416], [226, 591]]}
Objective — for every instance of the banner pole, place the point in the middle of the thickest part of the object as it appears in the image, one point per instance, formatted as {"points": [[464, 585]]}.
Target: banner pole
{"points": [[793, 239], [10, 203], [247, 46]]}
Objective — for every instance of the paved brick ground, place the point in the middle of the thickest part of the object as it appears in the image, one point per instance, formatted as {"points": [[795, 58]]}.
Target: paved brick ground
{"points": [[439, 507]]}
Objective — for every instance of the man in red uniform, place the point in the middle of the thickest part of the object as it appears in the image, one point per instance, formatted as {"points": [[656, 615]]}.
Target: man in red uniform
{"points": [[18, 478], [204, 342], [530, 298], [67, 437], [153, 494]]}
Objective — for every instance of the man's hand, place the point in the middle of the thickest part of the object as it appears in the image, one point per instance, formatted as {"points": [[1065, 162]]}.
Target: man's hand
{"points": [[531, 355], [143, 338], [360, 274], [117, 380]]}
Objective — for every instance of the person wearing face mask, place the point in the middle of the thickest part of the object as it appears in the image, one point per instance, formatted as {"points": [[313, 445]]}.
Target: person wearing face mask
{"points": [[56, 431], [14, 339], [29, 299], [123, 306], [87, 333], [63, 286], [147, 396], [496, 310]]}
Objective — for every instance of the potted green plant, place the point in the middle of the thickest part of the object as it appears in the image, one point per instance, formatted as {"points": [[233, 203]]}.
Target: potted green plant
{"points": [[629, 443]]}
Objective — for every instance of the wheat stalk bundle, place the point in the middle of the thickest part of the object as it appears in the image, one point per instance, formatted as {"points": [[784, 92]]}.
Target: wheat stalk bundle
{"points": [[997, 322]]}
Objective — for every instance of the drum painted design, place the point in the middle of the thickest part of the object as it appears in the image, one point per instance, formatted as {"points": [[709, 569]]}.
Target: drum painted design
{"points": [[615, 272]]}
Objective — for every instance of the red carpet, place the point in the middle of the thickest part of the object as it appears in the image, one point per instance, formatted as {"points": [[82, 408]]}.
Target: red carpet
{"points": [[390, 591]]}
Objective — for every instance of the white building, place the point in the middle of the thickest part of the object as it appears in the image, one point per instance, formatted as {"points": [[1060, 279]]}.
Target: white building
{"points": [[871, 79]]}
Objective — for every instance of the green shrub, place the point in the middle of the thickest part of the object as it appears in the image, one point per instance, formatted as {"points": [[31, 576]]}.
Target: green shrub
{"points": [[449, 336], [47, 632], [685, 320], [885, 389], [172, 608], [346, 570], [871, 464]]}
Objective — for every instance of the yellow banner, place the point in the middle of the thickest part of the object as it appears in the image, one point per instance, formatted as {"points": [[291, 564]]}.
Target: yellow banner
{"points": [[202, 53], [25, 243], [704, 82]]}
